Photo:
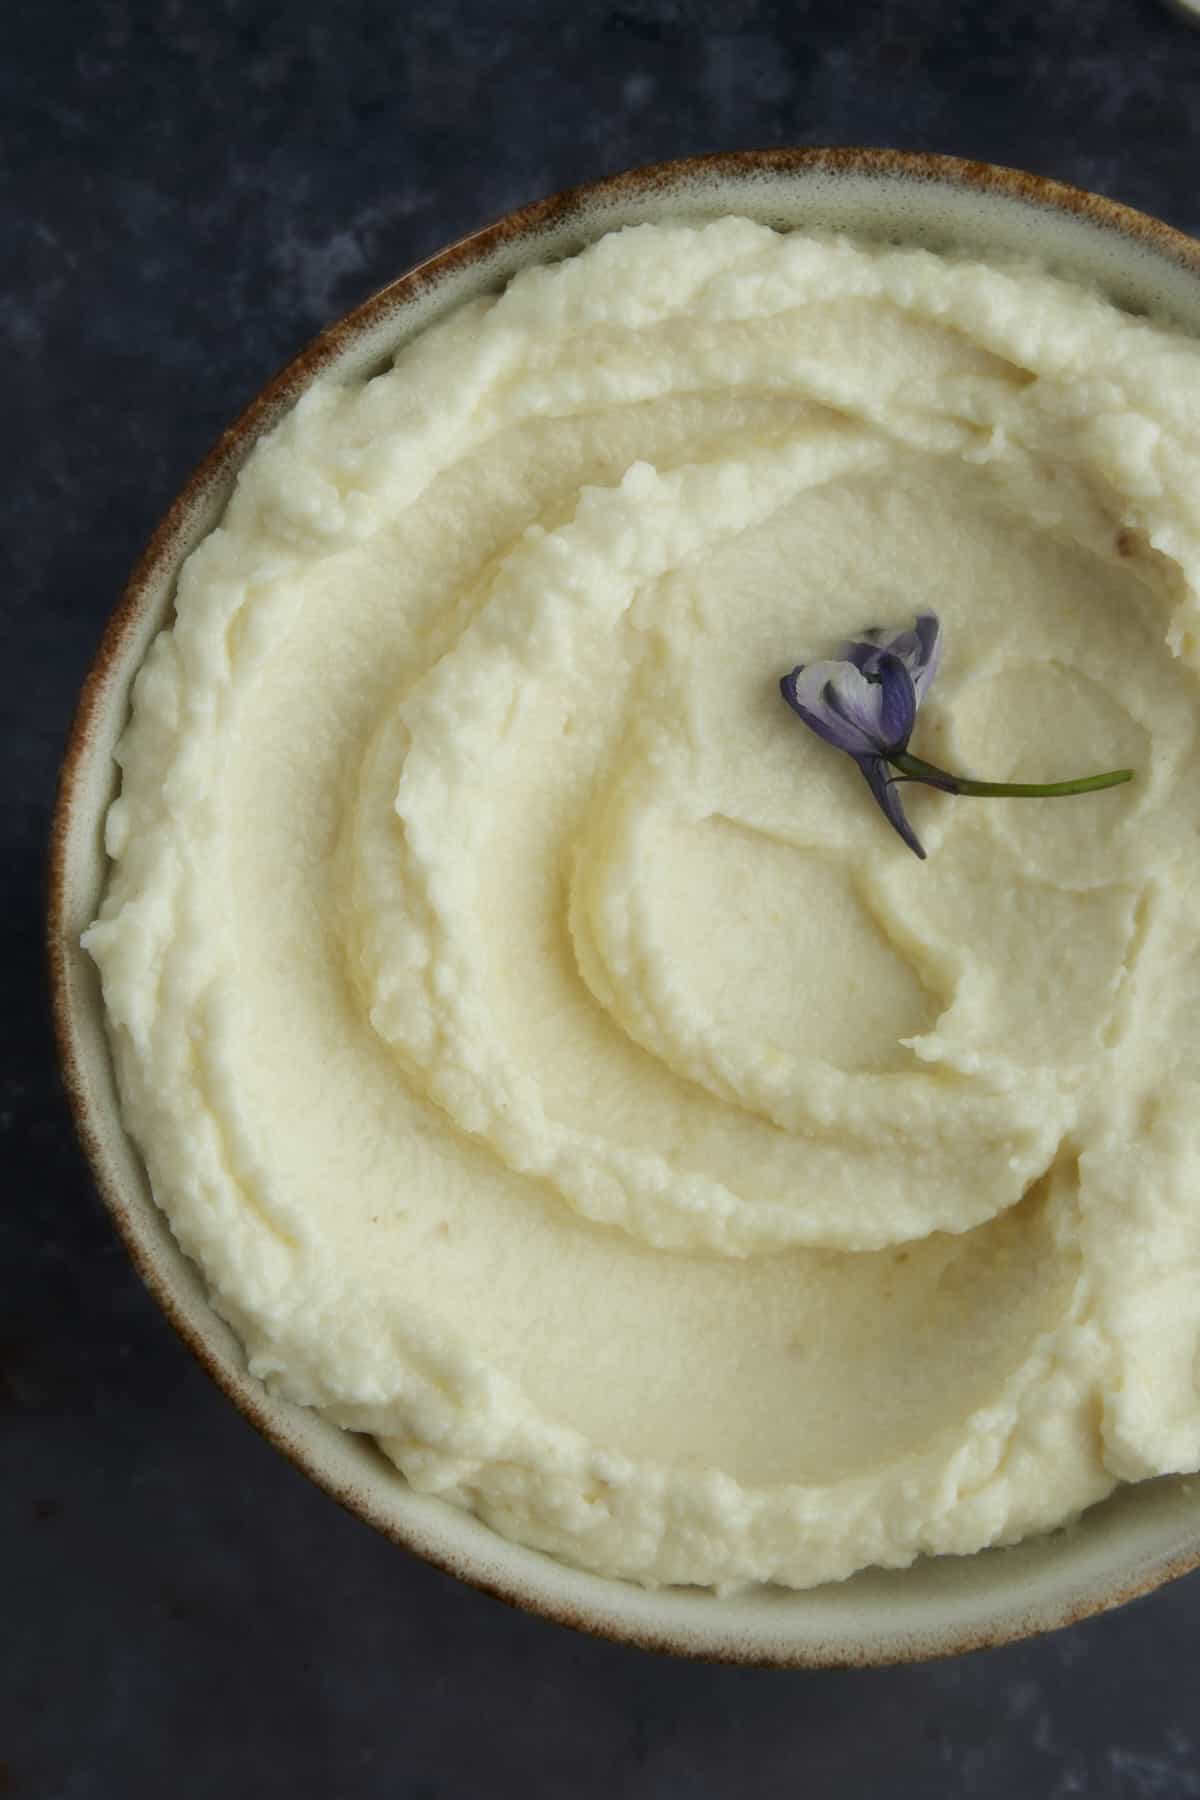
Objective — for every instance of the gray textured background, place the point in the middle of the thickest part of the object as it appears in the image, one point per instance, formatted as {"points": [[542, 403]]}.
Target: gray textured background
{"points": [[192, 188]]}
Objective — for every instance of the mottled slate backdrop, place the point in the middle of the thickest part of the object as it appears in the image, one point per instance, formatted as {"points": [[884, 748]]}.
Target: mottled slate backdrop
{"points": [[191, 188]]}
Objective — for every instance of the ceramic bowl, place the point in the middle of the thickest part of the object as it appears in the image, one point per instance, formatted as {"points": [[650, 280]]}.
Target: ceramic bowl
{"points": [[1128, 1545]]}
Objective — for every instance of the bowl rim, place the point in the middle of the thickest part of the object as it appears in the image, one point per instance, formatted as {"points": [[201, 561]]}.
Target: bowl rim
{"points": [[158, 560]]}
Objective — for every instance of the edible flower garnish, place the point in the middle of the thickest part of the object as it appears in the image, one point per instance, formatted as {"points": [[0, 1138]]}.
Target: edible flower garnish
{"points": [[864, 700]]}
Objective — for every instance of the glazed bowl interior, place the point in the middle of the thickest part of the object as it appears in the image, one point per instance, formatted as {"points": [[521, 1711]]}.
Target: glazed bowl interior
{"points": [[1132, 1542]]}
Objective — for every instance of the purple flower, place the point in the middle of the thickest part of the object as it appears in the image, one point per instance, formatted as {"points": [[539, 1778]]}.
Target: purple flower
{"points": [[864, 700]]}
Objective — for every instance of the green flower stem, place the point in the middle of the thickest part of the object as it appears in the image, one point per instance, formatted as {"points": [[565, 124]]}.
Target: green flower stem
{"points": [[916, 770]]}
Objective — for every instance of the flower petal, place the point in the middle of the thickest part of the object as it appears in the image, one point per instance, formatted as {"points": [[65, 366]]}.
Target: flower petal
{"points": [[898, 705], [919, 649], [837, 702], [887, 794], [861, 652], [858, 699], [929, 639]]}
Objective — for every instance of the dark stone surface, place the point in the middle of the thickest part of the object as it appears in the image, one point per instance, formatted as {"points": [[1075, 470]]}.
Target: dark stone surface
{"points": [[194, 186]]}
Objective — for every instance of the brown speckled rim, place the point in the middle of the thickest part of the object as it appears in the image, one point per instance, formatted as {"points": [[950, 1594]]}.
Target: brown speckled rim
{"points": [[159, 563]]}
